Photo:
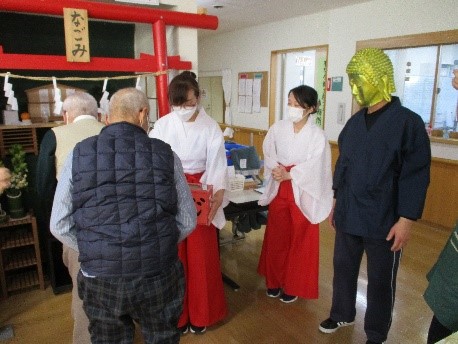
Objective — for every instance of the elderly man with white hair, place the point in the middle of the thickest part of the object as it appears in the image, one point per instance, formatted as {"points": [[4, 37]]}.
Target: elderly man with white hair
{"points": [[80, 112]]}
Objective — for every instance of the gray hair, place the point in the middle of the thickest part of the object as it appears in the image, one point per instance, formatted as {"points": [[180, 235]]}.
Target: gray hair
{"points": [[80, 103], [126, 104]]}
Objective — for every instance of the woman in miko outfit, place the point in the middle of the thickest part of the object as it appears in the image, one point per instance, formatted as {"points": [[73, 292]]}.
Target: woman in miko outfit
{"points": [[297, 168], [199, 143]]}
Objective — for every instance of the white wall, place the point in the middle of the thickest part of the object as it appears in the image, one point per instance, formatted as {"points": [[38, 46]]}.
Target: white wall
{"points": [[186, 39], [250, 49]]}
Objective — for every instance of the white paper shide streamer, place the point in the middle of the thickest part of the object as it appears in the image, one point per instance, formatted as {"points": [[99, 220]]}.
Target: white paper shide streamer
{"points": [[9, 93], [103, 104], [57, 98]]}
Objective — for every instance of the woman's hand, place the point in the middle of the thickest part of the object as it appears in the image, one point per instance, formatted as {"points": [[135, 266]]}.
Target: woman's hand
{"points": [[215, 202], [280, 174]]}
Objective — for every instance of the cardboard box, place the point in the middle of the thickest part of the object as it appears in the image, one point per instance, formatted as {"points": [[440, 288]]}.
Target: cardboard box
{"points": [[41, 101], [40, 112], [201, 195]]}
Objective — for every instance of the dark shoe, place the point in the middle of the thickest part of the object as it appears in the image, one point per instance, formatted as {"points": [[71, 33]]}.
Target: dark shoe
{"points": [[287, 298], [331, 326], [197, 329], [183, 329], [273, 292], [371, 342]]}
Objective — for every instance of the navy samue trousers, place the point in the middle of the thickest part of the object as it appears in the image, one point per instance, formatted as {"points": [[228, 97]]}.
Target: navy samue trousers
{"points": [[382, 267]]}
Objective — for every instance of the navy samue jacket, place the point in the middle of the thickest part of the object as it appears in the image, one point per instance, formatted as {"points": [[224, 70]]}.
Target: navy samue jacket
{"points": [[381, 173]]}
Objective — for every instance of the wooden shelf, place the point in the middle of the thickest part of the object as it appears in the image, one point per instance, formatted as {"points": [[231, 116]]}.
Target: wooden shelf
{"points": [[25, 135], [16, 239], [22, 280], [20, 258]]}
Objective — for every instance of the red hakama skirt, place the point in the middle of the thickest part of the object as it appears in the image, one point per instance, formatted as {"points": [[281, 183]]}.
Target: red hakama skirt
{"points": [[290, 251], [204, 302]]}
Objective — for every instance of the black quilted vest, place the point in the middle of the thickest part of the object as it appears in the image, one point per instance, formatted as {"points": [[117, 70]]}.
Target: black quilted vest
{"points": [[125, 203]]}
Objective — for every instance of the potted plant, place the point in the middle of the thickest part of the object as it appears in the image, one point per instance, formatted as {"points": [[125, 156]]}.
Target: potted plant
{"points": [[19, 181]]}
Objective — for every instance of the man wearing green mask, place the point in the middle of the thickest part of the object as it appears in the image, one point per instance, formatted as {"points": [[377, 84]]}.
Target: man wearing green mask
{"points": [[380, 184]]}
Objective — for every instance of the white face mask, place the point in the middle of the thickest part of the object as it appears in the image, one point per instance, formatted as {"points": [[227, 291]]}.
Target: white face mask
{"points": [[295, 114], [184, 114]]}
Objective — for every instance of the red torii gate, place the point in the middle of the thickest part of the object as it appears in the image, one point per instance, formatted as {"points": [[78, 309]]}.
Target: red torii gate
{"points": [[159, 62]]}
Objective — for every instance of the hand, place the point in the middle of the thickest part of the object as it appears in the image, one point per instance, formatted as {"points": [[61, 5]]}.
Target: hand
{"points": [[401, 233], [215, 202], [331, 215], [5, 179], [280, 174]]}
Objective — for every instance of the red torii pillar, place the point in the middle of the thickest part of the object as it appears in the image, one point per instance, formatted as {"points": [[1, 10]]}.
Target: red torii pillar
{"points": [[160, 50], [158, 18]]}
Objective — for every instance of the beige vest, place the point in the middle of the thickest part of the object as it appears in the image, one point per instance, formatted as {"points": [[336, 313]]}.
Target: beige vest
{"points": [[67, 136]]}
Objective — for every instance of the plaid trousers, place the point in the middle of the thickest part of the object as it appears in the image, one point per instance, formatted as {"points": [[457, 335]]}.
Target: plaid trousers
{"points": [[113, 304]]}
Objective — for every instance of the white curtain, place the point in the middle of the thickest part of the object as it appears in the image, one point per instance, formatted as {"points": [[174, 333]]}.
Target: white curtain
{"points": [[227, 89]]}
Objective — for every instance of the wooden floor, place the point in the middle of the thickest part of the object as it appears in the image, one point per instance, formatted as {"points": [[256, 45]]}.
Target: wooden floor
{"points": [[41, 317]]}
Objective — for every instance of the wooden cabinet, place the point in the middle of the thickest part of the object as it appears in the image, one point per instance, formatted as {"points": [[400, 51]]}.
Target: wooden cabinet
{"points": [[20, 258], [26, 135]]}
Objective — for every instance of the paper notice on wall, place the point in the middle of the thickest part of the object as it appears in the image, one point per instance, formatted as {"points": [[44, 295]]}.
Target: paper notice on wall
{"points": [[242, 87], [241, 104], [249, 104], [256, 105], [249, 87], [257, 95]]}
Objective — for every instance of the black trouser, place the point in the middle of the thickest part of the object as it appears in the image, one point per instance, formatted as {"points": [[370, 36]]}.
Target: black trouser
{"points": [[437, 331], [382, 267]]}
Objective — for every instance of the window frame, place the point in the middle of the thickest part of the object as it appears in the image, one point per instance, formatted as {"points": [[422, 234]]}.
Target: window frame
{"points": [[274, 77], [413, 41]]}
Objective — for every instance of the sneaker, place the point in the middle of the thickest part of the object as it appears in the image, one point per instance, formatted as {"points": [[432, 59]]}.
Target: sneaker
{"points": [[183, 329], [273, 292], [331, 326], [197, 329], [287, 298]]}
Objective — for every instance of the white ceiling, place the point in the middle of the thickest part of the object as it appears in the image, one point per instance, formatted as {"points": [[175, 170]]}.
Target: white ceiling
{"points": [[237, 14]]}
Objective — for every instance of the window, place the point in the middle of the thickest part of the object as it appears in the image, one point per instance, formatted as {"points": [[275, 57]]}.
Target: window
{"points": [[423, 71], [423, 78]]}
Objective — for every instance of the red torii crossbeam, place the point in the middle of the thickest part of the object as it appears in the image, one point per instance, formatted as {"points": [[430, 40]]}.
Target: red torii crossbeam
{"points": [[159, 62]]}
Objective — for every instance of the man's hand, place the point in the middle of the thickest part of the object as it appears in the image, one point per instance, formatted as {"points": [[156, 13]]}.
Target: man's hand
{"points": [[331, 215], [401, 233], [215, 203]]}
